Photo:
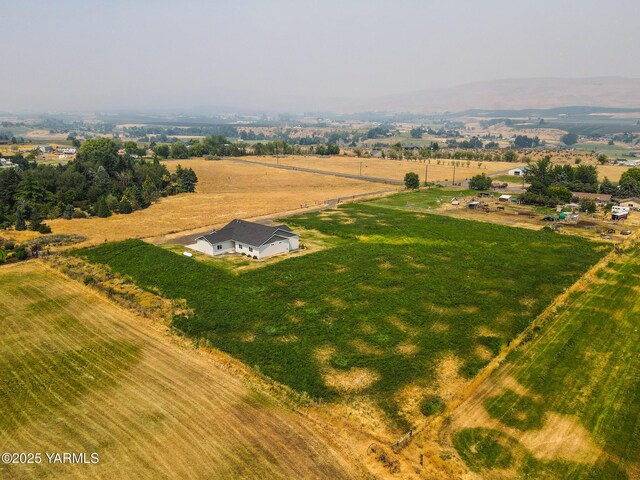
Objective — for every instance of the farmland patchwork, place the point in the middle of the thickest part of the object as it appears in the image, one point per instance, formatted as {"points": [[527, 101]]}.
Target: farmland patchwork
{"points": [[397, 296]]}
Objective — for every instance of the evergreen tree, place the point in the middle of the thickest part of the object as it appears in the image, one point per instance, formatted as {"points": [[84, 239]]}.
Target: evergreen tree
{"points": [[102, 209]]}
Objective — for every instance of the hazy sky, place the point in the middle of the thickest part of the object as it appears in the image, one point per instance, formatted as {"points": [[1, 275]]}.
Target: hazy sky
{"points": [[88, 54]]}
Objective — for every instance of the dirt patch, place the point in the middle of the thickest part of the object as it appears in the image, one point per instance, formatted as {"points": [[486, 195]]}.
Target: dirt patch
{"points": [[400, 325], [483, 352], [407, 349], [367, 328], [336, 302], [448, 311], [562, 437], [365, 348], [248, 337], [484, 331], [450, 383], [354, 380], [410, 399], [439, 327]]}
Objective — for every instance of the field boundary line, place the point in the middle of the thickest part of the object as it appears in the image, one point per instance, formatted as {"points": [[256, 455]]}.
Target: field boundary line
{"points": [[321, 172], [585, 280]]}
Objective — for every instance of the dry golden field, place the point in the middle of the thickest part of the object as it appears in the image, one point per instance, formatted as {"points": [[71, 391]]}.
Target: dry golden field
{"points": [[225, 191], [83, 375], [393, 169]]}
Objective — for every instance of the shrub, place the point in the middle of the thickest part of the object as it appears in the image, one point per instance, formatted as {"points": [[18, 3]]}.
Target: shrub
{"points": [[431, 405], [44, 228], [411, 180]]}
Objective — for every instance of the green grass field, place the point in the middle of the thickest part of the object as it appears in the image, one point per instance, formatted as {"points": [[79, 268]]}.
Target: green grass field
{"points": [[584, 365], [508, 179], [423, 200], [396, 293]]}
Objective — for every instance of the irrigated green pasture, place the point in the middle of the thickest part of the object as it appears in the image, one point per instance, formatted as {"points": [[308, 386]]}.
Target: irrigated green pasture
{"points": [[395, 294], [576, 411], [422, 200]]}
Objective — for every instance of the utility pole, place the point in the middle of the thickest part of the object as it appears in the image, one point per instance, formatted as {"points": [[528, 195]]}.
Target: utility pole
{"points": [[360, 168], [426, 167], [454, 175]]}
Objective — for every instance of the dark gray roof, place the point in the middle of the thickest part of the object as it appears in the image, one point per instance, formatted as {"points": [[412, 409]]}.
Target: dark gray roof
{"points": [[254, 234]]}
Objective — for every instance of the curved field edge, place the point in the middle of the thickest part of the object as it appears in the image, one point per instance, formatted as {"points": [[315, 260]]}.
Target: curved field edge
{"points": [[570, 399], [80, 374], [399, 294]]}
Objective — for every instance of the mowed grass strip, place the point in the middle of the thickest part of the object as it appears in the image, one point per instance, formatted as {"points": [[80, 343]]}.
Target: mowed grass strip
{"points": [[378, 311], [81, 375], [583, 368]]}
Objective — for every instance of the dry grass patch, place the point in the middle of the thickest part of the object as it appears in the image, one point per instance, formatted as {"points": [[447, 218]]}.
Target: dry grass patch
{"points": [[226, 190], [407, 349], [116, 384]]}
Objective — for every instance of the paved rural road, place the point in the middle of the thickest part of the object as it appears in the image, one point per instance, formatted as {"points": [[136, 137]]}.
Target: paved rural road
{"points": [[321, 172]]}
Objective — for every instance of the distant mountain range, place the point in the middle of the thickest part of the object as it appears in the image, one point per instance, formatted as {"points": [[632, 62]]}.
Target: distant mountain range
{"points": [[515, 94], [508, 94]]}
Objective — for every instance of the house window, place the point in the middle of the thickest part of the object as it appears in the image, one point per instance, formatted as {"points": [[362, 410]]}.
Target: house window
{"points": [[240, 247], [251, 249], [219, 247]]}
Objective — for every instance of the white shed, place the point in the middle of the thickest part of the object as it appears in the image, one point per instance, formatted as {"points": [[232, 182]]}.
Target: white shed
{"points": [[518, 171]]}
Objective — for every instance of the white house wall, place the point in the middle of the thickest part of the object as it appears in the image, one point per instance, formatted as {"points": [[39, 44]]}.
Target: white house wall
{"points": [[274, 248], [205, 247]]}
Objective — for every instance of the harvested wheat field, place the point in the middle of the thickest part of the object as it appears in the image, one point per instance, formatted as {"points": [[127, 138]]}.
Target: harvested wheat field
{"points": [[393, 169], [225, 191], [82, 375]]}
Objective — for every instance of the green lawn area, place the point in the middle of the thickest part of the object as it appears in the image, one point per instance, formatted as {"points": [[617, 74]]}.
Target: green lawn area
{"points": [[585, 364], [508, 179], [423, 199], [395, 293]]}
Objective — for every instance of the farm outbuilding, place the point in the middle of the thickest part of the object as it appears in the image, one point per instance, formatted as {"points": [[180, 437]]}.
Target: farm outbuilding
{"points": [[249, 238], [504, 198], [474, 205], [632, 203], [596, 197], [518, 171]]}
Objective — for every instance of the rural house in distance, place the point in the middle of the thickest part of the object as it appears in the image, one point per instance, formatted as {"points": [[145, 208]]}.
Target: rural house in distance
{"points": [[253, 239]]}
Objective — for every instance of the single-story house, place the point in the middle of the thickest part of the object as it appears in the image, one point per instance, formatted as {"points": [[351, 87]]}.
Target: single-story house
{"points": [[596, 197], [474, 205], [518, 171], [504, 198], [633, 203], [45, 148], [252, 239]]}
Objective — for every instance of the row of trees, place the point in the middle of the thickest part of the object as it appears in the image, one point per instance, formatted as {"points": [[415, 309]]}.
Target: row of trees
{"points": [[218, 146], [552, 184], [98, 182]]}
